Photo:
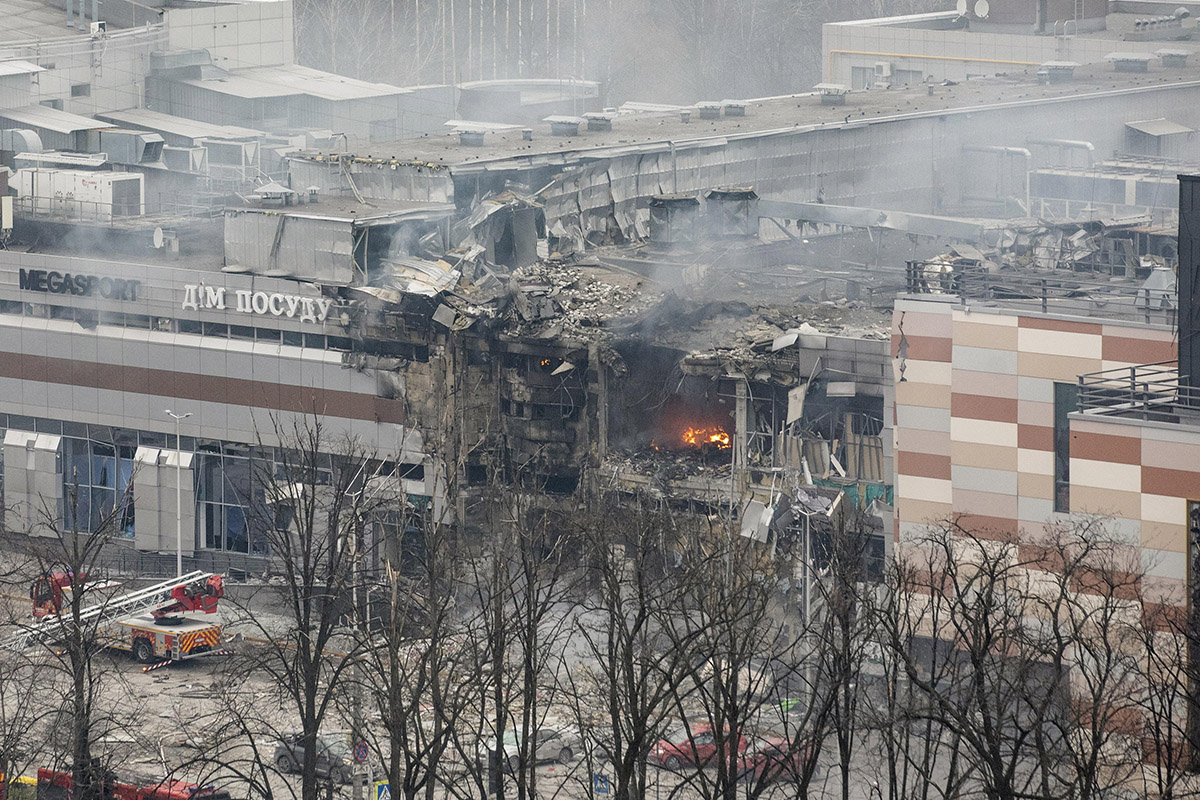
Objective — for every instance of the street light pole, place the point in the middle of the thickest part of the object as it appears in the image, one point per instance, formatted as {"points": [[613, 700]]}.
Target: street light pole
{"points": [[178, 493]]}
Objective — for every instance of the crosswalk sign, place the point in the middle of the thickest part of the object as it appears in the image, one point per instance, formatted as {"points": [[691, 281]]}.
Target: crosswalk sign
{"points": [[600, 783], [383, 790]]}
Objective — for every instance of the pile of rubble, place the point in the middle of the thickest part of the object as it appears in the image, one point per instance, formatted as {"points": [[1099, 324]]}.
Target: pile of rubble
{"points": [[551, 299], [666, 465]]}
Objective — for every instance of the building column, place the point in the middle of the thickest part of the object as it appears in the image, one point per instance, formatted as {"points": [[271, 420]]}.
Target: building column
{"points": [[33, 487], [154, 500]]}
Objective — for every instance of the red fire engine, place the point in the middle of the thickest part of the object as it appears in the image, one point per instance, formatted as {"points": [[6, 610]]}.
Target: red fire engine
{"points": [[151, 623], [56, 785]]}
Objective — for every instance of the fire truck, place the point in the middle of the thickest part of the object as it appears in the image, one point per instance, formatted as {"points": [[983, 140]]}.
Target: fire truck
{"points": [[49, 591], [158, 624], [56, 785]]}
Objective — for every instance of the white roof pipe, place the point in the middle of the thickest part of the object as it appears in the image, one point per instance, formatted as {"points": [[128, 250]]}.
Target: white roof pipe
{"points": [[1064, 144]]}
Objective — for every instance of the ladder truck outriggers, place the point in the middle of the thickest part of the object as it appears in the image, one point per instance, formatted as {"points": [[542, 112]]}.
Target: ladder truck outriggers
{"points": [[157, 624]]}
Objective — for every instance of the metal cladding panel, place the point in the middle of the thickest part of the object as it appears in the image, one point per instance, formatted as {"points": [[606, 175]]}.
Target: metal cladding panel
{"points": [[305, 248], [1189, 279]]}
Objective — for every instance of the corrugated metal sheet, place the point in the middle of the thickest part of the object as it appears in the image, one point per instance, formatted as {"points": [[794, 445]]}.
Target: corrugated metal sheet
{"points": [[398, 182], [305, 248], [169, 124], [50, 119], [19, 68], [1158, 127], [292, 79]]}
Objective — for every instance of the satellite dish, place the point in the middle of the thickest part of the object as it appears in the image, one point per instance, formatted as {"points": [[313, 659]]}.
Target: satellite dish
{"points": [[982, 8], [159, 239], [961, 8]]}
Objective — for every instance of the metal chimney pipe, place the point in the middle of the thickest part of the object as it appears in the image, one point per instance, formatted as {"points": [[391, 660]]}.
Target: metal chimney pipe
{"points": [[1188, 320]]}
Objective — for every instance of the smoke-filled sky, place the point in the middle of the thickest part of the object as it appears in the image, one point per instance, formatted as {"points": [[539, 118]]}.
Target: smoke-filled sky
{"points": [[672, 51]]}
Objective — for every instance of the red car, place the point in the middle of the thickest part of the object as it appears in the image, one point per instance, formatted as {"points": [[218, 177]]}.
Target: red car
{"points": [[772, 758], [677, 748]]}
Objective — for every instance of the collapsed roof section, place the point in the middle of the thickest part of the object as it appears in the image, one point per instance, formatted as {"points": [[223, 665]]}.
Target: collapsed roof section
{"points": [[329, 240]]}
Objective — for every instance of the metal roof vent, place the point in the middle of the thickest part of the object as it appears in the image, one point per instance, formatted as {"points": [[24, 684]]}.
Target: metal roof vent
{"points": [[832, 94], [673, 218], [275, 194], [1058, 71], [1173, 59], [470, 138], [685, 115], [1130, 62], [735, 108], [564, 126], [599, 120], [709, 109]]}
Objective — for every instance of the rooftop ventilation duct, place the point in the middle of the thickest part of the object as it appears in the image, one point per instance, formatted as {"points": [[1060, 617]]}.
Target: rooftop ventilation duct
{"points": [[599, 120], [1058, 71], [832, 94], [1130, 62], [709, 109], [564, 125], [20, 140], [1173, 59], [735, 108], [673, 218], [127, 147]]}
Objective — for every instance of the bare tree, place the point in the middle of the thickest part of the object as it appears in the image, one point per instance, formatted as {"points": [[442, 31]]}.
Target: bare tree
{"points": [[623, 688], [73, 546], [1026, 654], [312, 506]]}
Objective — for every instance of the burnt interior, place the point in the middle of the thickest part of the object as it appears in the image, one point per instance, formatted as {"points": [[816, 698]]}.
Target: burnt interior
{"points": [[662, 409]]}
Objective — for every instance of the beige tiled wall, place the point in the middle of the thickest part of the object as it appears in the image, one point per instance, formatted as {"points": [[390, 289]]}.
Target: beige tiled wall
{"points": [[975, 422]]}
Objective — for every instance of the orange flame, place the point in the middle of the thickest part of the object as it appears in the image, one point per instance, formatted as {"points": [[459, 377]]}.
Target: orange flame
{"points": [[698, 437]]}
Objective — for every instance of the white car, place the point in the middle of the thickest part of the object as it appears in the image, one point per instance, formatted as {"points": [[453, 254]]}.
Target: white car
{"points": [[550, 743]]}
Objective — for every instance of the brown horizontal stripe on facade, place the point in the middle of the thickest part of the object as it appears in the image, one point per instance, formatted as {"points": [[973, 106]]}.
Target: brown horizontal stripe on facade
{"points": [[1047, 324], [978, 406], [924, 348], [1137, 351], [1035, 437], [203, 388], [1171, 482], [1113, 449], [982, 526], [1164, 617], [923, 465]]}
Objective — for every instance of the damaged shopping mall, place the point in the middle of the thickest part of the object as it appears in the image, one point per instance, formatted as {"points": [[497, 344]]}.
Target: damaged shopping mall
{"points": [[686, 304]]}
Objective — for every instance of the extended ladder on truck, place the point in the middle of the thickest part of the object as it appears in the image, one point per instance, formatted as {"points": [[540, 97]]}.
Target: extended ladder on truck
{"points": [[157, 598]]}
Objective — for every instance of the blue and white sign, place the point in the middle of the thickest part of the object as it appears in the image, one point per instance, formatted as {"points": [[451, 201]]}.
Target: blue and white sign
{"points": [[600, 783], [383, 790]]}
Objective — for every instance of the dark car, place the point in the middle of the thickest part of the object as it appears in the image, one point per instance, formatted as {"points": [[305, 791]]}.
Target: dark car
{"points": [[695, 746], [772, 758], [334, 759]]}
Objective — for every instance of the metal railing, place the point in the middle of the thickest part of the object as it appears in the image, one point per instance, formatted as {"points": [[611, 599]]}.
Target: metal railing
{"points": [[126, 560], [1146, 391], [1044, 292], [61, 206]]}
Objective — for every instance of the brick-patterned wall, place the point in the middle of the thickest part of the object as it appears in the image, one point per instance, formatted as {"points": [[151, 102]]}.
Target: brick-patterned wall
{"points": [[974, 414]]}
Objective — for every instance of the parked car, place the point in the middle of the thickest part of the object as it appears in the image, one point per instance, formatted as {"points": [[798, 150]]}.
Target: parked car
{"points": [[771, 758], [695, 746], [550, 743], [334, 758]]}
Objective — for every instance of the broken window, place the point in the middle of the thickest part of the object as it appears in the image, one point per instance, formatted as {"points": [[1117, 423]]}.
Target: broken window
{"points": [[1066, 400]]}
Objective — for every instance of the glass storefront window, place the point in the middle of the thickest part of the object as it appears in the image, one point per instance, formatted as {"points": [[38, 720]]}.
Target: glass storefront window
{"points": [[96, 476]]}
